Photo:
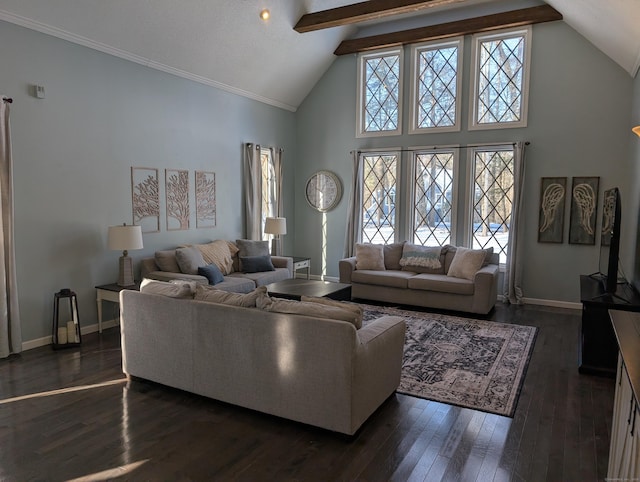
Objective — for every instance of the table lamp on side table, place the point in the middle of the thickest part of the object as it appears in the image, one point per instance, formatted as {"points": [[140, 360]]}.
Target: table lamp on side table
{"points": [[124, 238], [277, 227]]}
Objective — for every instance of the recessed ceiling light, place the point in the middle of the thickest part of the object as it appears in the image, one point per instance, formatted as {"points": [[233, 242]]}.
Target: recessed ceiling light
{"points": [[265, 14]]}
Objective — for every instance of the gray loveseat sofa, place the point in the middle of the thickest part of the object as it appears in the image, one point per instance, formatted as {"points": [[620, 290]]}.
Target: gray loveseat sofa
{"points": [[433, 289], [317, 371], [167, 265]]}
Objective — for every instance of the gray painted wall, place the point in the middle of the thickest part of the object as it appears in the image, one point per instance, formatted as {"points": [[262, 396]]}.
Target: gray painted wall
{"points": [[578, 125], [74, 149]]}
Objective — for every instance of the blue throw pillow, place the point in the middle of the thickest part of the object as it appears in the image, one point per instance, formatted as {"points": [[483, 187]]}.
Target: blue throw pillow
{"points": [[212, 273], [256, 264]]}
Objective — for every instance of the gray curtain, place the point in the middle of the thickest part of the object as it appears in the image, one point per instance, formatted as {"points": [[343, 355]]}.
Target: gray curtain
{"points": [[354, 220], [10, 332], [252, 192], [513, 270]]}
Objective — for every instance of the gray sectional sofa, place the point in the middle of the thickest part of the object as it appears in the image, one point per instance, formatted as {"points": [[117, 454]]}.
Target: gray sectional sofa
{"points": [[167, 265], [318, 371], [432, 288]]}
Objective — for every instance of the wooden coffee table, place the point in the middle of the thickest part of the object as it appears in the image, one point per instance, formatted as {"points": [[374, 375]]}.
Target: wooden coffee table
{"points": [[293, 289]]}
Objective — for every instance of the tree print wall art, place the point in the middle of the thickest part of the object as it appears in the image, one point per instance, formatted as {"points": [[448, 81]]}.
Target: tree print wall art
{"points": [[584, 204], [205, 199], [553, 194], [177, 195], [145, 198]]}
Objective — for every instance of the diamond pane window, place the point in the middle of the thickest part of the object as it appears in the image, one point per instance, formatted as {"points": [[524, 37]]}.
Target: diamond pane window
{"points": [[380, 93], [436, 85], [493, 197], [379, 198], [269, 189], [501, 80], [432, 200]]}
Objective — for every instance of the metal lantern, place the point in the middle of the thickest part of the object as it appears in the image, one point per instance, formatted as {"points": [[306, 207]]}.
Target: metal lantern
{"points": [[66, 332]]}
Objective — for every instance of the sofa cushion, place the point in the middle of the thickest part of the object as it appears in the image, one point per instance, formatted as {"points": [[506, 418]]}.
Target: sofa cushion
{"points": [[316, 310], [256, 264], [218, 253], [421, 259], [263, 277], [189, 260], [392, 255], [166, 261], [250, 247], [441, 283], [212, 273], [236, 284], [466, 263], [345, 305], [213, 295], [370, 256], [165, 288], [392, 278]]}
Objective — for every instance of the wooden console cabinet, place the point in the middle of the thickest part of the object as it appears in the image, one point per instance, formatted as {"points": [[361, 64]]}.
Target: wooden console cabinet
{"points": [[599, 350]]}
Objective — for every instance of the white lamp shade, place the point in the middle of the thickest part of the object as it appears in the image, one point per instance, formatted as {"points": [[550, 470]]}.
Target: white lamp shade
{"points": [[124, 237], [275, 226]]}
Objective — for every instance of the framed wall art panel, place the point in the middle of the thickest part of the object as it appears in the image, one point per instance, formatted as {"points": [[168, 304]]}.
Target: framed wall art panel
{"points": [[145, 198], [553, 194], [205, 199], [177, 194], [584, 206]]}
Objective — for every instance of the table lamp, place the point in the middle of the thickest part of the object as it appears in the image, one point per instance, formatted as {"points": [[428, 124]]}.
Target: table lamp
{"points": [[277, 227], [124, 238]]}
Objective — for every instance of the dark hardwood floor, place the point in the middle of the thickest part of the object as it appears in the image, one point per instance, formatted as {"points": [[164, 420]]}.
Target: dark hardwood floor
{"points": [[70, 415]]}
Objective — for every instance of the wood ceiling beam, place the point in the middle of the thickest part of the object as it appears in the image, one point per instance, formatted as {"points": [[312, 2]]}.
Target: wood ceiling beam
{"points": [[514, 18], [363, 11]]}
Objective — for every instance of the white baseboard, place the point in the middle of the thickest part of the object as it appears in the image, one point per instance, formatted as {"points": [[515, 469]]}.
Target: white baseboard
{"points": [[553, 303], [48, 340]]}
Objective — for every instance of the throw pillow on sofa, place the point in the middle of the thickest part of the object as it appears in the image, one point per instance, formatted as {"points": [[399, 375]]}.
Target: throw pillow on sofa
{"points": [[306, 308], [218, 253], [421, 259], [166, 261], [466, 263], [189, 260], [370, 256], [392, 255], [165, 288], [355, 308], [212, 273], [214, 295], [250, 247], [256, 264]]}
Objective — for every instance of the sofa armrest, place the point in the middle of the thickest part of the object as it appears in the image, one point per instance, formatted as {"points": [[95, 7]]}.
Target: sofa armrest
{"points": [[283, 262], [346, 266], [168, 276], [485, 291]]}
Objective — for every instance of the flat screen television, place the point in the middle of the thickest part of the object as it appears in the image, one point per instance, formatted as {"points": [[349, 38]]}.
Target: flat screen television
{"points": [[610, 239]]}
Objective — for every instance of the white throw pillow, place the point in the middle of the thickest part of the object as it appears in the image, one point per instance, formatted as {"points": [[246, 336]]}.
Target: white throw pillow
{"points": [[370, 256], [427, 257], [466, 263], [343, 305], [308, 308], [165, 288], [212, 294]]}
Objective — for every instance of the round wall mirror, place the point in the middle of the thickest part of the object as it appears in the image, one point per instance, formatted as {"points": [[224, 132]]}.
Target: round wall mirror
{"points": [[323, 191]]}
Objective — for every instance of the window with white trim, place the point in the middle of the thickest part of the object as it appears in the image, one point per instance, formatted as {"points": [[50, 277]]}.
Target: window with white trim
{"points": [[500, 70], [379, 183], [493, 188], [269, 206], [434, 190], [436, 74], [380, 93]]}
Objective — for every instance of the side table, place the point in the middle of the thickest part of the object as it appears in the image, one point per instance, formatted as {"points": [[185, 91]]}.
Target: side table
{"points": [[301, 263], [110, 292]]}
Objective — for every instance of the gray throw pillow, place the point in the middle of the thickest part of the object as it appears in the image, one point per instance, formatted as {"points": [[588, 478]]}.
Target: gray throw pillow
{"points": [[256, 264], [189, 260], [250, 247], [166, 261]]}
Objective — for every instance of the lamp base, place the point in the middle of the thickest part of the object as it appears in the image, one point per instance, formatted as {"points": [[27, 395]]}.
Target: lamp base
{"points": [[125, 277], [276, 246]]}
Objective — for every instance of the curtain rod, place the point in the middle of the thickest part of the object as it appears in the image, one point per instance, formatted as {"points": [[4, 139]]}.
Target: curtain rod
{"points": [[8, 100], [435, 148]]}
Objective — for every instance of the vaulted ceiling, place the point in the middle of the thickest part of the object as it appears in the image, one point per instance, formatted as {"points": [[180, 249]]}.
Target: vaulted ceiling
{"points": [[226, 44]]}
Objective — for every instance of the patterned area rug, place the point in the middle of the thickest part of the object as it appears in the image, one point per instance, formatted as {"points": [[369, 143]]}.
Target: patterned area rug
{"points": [[460, 361]]}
